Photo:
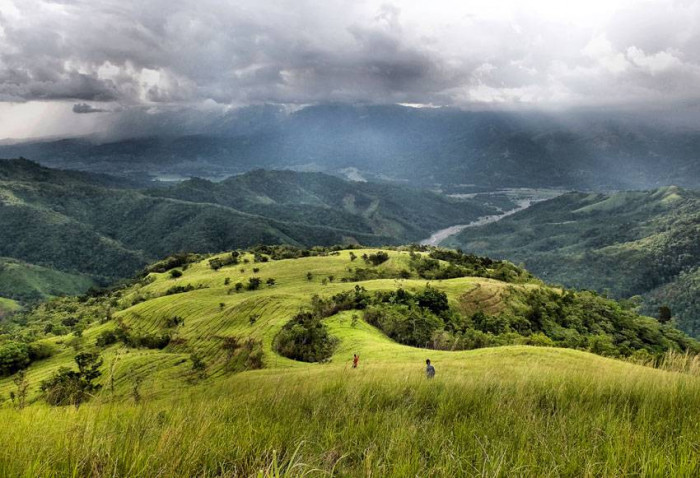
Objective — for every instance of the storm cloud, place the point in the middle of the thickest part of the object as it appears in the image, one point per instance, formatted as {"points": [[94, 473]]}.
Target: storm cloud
{"points": [[83, 108], [159, 54]]}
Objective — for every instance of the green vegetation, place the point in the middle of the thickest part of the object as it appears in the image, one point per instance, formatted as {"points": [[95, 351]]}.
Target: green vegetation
{"points": [[624, 244], [8, 306], [219, 400], [70, 387], [28, 282], [65, 231], [305, 338]]}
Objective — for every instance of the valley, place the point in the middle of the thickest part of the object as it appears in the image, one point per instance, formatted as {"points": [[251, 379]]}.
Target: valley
{"points": [[521, 198]]}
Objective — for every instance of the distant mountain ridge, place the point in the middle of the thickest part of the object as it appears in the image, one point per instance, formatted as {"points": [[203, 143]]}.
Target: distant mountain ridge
{"points": [[430, 147]]}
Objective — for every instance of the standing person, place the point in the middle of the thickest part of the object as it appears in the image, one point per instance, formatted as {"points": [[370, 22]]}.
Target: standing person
{"points": [[429, 369], [355, 360]]}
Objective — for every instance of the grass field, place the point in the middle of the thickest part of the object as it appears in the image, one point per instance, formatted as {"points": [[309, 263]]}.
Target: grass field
{"points": [[507, 411]]}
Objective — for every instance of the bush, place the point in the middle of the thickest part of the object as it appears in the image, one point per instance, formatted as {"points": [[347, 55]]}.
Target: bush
{"points": [[106, 338], [14, 356], [229, 260], [254, 283], [179, 289], [242, 356], [149, 341], [305, 338], [176, 260], [405, 325], [433, 300], [174, 321], [70, 387], [377, 258], [175, 273]]}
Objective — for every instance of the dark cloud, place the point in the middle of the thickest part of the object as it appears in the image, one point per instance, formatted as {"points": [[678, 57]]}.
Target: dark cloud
{"points": [[82, 108], [161, 53]]}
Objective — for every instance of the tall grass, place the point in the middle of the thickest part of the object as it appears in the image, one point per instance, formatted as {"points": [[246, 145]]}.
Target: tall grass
{"points": [[501, 419], [672, 361]]}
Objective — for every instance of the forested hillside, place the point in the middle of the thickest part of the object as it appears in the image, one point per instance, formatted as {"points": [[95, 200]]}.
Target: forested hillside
{"points": [[628, 243], [97, 229]]}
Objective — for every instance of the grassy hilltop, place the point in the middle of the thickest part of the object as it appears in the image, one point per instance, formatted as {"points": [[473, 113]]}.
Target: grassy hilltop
{"points": [[193, 385]]}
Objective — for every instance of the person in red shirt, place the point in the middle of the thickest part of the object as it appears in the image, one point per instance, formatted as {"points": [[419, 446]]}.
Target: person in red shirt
{"points": [[355, 360]]}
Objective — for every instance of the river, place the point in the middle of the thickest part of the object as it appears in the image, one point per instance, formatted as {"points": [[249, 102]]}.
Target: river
{"points": [[523, 203]]}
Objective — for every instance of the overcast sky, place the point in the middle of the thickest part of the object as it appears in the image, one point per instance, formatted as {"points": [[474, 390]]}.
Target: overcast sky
{"points": [[74, 66]]}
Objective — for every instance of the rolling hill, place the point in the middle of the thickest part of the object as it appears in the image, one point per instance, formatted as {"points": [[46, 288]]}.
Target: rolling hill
{"points": [[97, 229], [642, 243], [217, 398]]}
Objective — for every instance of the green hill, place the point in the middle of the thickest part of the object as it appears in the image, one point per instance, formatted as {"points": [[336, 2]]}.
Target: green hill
{"points": [[8, 306], [629, 243], [102, 229], [27, 282], [194, 383]]}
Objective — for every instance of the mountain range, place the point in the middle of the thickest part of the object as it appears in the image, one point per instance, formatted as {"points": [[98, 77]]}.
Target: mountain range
{"points": [[456, 150]]}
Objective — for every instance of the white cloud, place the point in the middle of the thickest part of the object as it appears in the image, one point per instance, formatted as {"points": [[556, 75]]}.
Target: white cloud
{"points": [[656, 63]]}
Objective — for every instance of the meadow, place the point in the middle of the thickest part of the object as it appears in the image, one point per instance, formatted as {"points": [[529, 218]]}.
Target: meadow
{"points": [[501, 411]]}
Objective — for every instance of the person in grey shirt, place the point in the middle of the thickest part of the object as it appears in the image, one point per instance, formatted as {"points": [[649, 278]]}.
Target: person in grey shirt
{"points": [[429, 369]]}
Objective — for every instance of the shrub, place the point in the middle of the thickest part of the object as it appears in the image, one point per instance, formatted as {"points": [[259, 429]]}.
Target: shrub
{"points": [[377, 258], [14, 356], [403, 324], [254, 283], [198, 363], [70, 387], [242, 356], [179, 289], [228, 260], [174, 321], [433, 300], [106, 337], [149, 341], [305, 338], [176, 260], [175, 273]]}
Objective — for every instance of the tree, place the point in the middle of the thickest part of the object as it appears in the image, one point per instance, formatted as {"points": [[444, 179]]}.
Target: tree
{"points": [[254, 283], [22, 385], [70, 387], [14, 356], [664, 314]]}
